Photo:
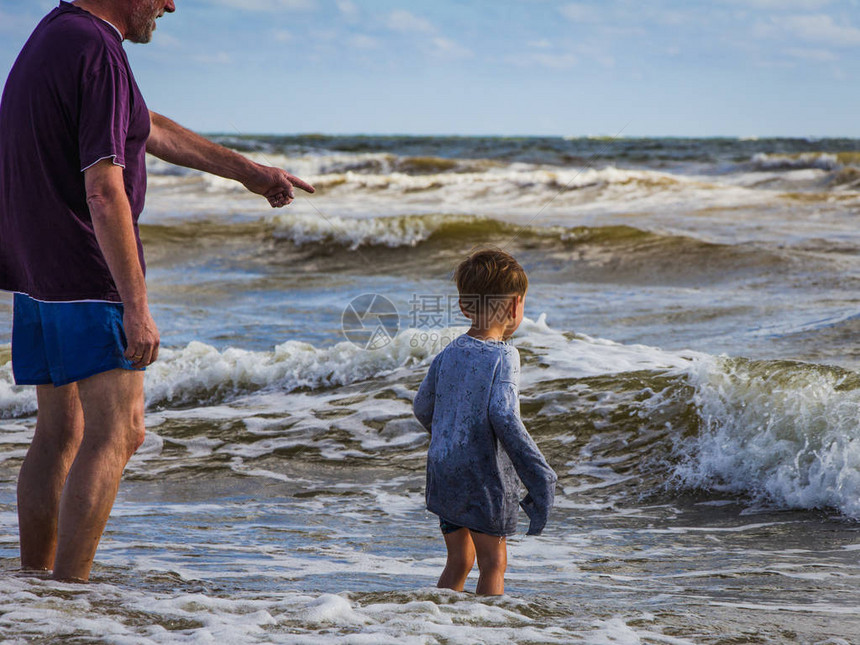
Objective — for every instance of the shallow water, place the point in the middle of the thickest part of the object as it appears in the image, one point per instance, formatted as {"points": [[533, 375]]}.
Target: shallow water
{"points": [[693, 382]]}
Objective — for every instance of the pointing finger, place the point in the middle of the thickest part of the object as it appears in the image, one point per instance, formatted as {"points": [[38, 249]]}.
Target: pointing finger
{"points": [[305, 186]]}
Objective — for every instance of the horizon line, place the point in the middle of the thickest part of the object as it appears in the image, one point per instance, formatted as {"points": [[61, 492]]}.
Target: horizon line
{"points": [[807, 137]]}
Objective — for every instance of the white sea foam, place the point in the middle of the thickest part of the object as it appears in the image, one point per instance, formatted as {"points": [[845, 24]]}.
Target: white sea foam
{"points": [[781, 433], [333, 609], [14, 401], [199, 371], [579, 356], [516, 193], [375, 173], [817, 160], [303, 228], [48, 610], [785, 434], [376, 177]]}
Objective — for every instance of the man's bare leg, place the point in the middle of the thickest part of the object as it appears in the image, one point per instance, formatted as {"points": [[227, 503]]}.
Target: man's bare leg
{"points": [[112, 404], [59, 429]]}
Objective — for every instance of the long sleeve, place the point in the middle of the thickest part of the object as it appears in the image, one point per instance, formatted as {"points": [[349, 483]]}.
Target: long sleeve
{"points": [[425, 399], [530, 465]]}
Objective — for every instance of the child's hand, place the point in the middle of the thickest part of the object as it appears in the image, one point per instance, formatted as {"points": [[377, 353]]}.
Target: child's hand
{"points": [[537, 515]]}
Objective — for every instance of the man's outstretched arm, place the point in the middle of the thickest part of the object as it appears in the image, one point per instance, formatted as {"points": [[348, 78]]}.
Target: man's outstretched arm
{"points": [[180, 146]]}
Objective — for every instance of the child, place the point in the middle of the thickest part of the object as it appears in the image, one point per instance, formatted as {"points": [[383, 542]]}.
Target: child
{"points": [[469, 401]]}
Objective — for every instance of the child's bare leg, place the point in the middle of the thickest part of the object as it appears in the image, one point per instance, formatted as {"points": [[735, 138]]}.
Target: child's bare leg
{"points": [[461, 559], [492, 552]]}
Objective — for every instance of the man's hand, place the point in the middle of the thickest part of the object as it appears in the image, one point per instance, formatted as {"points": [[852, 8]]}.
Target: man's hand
{"points": [[276, 185], [142, 336]]}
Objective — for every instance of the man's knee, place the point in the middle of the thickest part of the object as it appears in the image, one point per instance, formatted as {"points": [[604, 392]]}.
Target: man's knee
{"points": [[113, 406], [60, 419], [132, 429], [137, 433]]}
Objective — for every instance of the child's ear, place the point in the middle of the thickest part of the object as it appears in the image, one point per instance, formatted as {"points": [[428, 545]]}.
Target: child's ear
{"points": [[468, 306]]}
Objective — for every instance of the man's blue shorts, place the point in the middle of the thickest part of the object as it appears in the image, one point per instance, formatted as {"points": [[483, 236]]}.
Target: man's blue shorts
{"points": [[57, 343]]}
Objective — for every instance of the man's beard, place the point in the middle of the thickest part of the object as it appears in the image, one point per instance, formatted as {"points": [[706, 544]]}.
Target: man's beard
{"points": [[142, 22]]}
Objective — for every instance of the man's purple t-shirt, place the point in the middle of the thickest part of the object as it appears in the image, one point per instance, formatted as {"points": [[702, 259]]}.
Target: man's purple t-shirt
{"points": [[69, 102]]}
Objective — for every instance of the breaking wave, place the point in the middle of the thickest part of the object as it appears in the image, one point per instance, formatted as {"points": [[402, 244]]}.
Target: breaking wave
{"points": [[805, 160], [779, 433]]}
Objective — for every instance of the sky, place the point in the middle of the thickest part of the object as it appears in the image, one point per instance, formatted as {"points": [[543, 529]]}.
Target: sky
{"points": [[496, 67]]}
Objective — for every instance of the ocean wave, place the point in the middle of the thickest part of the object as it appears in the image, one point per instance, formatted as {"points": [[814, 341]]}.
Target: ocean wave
{"points": [[14, 401], [413, 230], [335, 163], [847, 178], [200, 374], [805, 160], [504, 180], [377, 231], [387, 231], [780, 433], [414, 244], [405, 175]]}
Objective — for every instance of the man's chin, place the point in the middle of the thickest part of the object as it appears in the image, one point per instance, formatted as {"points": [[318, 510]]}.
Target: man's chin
{"points": [[141, 38]]}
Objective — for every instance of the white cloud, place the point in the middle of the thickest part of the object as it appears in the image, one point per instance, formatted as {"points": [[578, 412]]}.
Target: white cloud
{"points": [[347, 8], [763, 29], [407, 22], [617, 16], [324, 35], [550, 61], [168, 41], [540, 44], [219, 58], [449, 49], [820, 28], [362, 41], [813, 55], [597, 53], [673, 18], [282, 35], [579, 12], [782, 5], [20, 20], [269, 6]]}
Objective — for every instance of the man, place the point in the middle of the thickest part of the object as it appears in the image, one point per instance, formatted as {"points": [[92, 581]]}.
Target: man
{"points": [[74, 130]]}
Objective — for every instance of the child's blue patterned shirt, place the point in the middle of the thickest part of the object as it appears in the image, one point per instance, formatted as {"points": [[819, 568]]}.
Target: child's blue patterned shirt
{"points": [[469, 401]]}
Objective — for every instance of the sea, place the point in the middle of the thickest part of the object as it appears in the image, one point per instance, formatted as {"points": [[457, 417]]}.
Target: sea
{"points": [[690, 369]]}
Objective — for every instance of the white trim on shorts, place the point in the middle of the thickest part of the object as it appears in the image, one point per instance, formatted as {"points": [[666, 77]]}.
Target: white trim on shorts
{"points": [[48, 302]]}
